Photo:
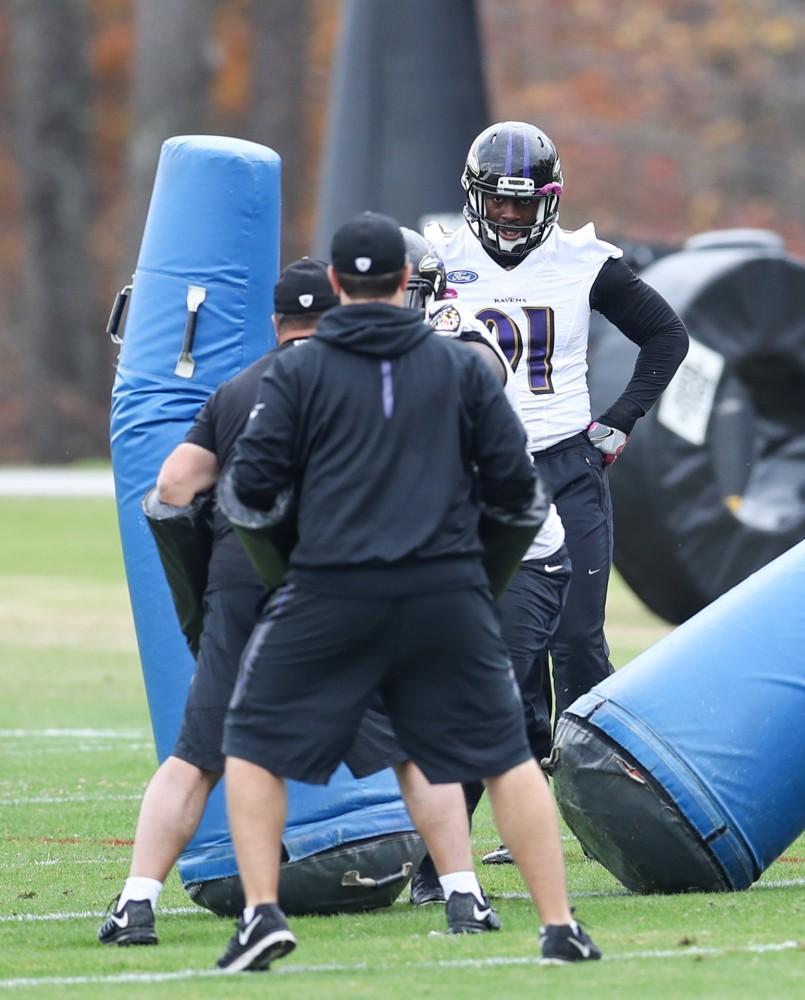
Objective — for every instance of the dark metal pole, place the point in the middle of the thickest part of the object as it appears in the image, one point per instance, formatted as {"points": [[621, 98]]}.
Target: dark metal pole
{"points": [[408, 98]]}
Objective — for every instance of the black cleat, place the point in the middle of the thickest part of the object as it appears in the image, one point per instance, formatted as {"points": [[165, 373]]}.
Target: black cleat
{"points": [[468, 915], [500, 856], [425, 885], [563, 943], [257, 942], [133, 923]]}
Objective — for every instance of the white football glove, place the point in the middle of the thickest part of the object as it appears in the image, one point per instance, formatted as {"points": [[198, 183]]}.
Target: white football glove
{"points": [[608, 440]]}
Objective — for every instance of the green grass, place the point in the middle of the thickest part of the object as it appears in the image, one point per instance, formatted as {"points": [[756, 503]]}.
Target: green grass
{"points": [[69, 661]]}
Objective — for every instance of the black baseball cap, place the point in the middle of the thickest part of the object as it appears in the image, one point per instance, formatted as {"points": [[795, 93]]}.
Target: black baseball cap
{"points": [[303, 287], [368, 244]]}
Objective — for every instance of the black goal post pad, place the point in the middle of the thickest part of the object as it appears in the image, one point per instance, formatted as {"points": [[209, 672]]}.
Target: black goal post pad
{"points": [[183, 537], [506, 536], [268, 536]]}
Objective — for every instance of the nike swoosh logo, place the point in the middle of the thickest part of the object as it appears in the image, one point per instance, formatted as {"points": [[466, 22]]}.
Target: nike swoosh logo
{"points": [[552, 569], [592, 572], [480, 914], [244, 935], [120, 921], [585, 949]]}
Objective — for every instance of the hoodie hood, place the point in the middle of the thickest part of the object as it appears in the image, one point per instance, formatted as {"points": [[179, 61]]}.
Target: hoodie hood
{"points": [[373, 328]]}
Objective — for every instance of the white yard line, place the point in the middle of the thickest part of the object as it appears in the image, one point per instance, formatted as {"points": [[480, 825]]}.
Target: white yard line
{"points": [[24, 742], [460, 963], [50, 733], [81, 748], [195, 910], [591, 894], [25, 481], [25, 918], [52, 862], [59, 799], [786, 883]]}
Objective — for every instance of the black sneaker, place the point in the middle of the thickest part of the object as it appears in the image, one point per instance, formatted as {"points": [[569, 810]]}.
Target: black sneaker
{"points": [[500, 856], [133, 923], [257, 942], [562, 943], [425, 885], [468, 915]]}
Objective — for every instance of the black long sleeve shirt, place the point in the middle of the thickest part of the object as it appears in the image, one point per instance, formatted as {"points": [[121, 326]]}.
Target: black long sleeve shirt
{"points": [[643, 316]]}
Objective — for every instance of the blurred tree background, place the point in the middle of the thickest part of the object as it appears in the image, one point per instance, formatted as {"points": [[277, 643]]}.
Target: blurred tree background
{"points": [[671, 118]]}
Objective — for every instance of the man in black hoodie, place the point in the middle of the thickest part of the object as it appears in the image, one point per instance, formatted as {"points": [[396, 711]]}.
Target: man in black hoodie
{"points": [[176, 796], [391, 438]]}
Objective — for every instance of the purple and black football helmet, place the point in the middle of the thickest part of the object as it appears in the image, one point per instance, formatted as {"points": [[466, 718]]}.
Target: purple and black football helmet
{"points": [[428, 277], [512, 160]]}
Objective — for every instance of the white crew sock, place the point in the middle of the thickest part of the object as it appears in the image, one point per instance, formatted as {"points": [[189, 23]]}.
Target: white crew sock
{"points": [[461, 882], [137, 888]]}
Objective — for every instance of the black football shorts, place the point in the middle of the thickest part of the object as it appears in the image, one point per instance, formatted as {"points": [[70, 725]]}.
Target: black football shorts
{"points": [[229, 617], [315, 662]]}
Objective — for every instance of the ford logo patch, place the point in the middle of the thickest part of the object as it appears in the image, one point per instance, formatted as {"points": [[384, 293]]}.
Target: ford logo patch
{"points": [[461, 277]]}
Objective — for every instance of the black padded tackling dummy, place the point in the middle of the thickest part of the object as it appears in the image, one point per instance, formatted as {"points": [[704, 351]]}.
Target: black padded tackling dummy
{"points": [[268, 536], [183, 537], [624, 818], [350, 878], [711, 486]]}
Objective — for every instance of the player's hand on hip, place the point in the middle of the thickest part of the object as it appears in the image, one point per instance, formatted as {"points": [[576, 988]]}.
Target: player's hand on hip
{"points": [[608, 440]]}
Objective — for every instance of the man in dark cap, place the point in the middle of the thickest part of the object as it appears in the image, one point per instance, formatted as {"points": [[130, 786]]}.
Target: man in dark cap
{"points": [[175, 798], [392, 438]]}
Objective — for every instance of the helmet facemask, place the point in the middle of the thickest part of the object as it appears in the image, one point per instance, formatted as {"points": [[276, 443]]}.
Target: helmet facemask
{"points": [[428, 280], [489, 233], [512, 160], [418, 293]]}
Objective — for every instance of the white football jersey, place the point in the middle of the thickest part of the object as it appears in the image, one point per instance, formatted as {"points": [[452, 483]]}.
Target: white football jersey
{"points": [[450, 318], [540, 315]]}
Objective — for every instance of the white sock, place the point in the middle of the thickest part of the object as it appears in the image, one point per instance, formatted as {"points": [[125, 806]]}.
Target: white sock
{"points": [[139, 887], [461, 882], [248, 913]]}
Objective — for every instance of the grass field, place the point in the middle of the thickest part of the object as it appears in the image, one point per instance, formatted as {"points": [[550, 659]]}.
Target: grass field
{"points": [[76, 752]]}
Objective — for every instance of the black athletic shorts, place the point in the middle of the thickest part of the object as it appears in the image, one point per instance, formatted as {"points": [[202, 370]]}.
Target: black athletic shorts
{"points": [[230, 615], [315, 662]]}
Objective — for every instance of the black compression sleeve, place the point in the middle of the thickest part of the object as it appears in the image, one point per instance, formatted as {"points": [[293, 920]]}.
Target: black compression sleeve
{"points": [[644, 316]]}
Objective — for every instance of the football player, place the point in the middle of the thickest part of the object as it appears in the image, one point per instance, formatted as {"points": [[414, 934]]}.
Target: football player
{"points": [[531, 604], [534, 285]]}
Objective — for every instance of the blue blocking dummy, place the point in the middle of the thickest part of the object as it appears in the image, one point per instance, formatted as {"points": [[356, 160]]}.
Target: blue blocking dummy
{"points": [[685, 770], [200, 312]]}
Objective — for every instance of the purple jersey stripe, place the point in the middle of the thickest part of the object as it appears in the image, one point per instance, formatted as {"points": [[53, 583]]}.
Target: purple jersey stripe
{"points": [[388, 389]]}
